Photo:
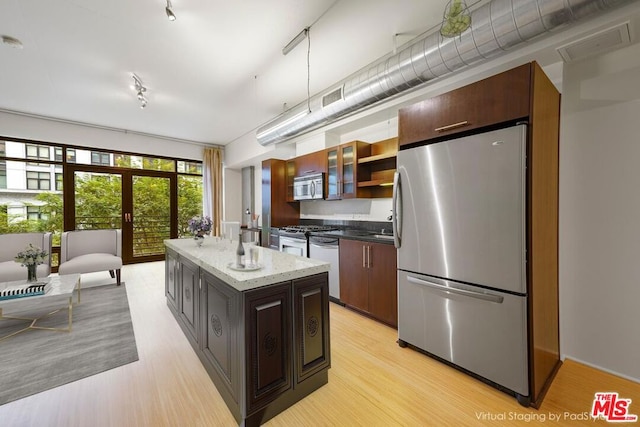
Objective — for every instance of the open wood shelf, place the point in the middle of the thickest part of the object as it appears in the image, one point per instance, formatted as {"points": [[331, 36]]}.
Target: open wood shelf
{"points": [[382, 156], [375, 183]]}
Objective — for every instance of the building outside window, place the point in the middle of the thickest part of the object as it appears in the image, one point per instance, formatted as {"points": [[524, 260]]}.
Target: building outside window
{"points": [[58, 181], [102, 159], [34, 213], [3, 174], [38, 152], [38, 180]]}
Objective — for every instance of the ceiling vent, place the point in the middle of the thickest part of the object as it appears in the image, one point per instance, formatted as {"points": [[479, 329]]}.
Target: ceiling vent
{"points": [[332, 97], [603, 41], [496, 26]]}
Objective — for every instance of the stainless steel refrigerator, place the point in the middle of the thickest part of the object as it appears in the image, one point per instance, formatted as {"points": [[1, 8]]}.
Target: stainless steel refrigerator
{"points": [[460, 229]]}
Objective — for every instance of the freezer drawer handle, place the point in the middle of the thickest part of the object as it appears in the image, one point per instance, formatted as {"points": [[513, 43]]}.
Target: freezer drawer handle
{"points": [[451, 126], [487, 297]]}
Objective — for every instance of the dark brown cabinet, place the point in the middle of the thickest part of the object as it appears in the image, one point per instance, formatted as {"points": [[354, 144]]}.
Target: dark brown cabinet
{"points": [[220, 335], [189, 276], [172, 288], [522, 94], [311, 163], [264, 348], [311, 317], [501, 98], [276, 211], [368, 280], [268, 343], [342, 170]]}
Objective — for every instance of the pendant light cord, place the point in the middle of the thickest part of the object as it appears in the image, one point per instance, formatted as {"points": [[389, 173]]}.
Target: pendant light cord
{"points": [[308, 70]]}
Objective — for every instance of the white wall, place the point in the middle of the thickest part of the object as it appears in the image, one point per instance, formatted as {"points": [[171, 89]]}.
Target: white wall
{"points": [[600, 212], [39, 129], [232, 179]]}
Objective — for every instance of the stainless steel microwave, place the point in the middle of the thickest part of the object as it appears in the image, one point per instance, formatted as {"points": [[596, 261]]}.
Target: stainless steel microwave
{"points": [[308, 187]]}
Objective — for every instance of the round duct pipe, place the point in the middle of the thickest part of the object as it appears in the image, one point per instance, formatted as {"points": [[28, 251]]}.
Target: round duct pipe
{"points": [[496, 27]]}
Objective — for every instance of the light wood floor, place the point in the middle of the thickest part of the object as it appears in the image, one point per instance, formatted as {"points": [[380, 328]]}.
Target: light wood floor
{"points": [[372, 382]]}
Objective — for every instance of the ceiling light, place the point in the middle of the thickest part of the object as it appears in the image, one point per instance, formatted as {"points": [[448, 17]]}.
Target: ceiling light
{"points": [[170, 14], [295, 42], [140, 90], [12, 41]]}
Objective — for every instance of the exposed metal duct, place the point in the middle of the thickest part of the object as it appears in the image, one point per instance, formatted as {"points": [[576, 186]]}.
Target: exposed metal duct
{"points": [[495, 27]]}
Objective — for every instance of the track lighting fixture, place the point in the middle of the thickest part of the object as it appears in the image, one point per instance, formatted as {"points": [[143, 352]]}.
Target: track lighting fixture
{"points": [[168, 9], [140, 90]]}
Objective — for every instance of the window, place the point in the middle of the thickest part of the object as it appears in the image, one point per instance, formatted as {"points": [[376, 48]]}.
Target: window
{"points": [[58, 181], [3, 174], [34, 213], [71, 155], [37, 152], [38, 180], [98, 158], [190, 167]]}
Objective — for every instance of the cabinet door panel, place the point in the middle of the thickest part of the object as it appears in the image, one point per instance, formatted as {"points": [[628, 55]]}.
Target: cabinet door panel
{"points": [[332, 173], [497, 99], [268, 320], [353, 274], [171, 279], [189, 279], [311, 311], [220, 321], [383, 289]]}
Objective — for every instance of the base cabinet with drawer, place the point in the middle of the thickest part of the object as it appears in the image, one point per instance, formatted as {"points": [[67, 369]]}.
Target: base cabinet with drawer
{"points": [[265, 348]]}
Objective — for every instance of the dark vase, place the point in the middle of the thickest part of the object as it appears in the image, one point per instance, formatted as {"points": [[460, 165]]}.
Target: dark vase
{"points": [[32, 273]]}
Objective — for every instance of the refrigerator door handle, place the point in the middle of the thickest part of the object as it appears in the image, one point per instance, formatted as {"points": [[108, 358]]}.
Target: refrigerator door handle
{"points": [[478, 295], [396, 222]]}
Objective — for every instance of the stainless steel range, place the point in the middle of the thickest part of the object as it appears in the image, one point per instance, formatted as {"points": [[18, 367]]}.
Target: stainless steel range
{"points": [[294, 239], [302, 240]]}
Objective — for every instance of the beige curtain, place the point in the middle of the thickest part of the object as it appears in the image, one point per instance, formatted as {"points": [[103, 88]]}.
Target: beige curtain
{"points": [[212, 177]]}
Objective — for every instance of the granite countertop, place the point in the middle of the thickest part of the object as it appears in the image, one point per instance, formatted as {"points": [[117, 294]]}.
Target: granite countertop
{"points": [[215, 255], [364, 235]]}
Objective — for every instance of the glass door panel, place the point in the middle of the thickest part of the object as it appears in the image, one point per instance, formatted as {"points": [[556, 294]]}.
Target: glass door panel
{"points": [[332, 174], [97, 200], [348, 172], [189, 202], [151, 219]]}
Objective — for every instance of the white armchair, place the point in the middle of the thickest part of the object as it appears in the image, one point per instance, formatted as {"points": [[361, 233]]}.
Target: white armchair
{"points": [[90, 251], [11, 244]]}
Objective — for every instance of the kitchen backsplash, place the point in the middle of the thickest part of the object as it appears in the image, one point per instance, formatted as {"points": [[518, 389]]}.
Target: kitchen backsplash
{"points": [[347, 210]]}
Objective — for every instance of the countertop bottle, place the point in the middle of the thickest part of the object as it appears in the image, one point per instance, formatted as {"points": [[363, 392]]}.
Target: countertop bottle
{"points": [[239, 253]]}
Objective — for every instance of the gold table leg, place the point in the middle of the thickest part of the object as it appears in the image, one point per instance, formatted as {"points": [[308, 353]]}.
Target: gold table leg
{"points": [[35, 320]]}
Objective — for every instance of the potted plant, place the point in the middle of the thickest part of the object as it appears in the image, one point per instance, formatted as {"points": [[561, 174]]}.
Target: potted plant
{"points": [[199, 226], [31, 258]]}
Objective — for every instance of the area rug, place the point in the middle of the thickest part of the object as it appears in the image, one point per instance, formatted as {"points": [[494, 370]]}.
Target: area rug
{"points": [[102, 338]]}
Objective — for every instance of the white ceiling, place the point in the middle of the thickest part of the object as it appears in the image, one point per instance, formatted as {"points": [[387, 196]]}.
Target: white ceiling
{"points": [[213, 75]]}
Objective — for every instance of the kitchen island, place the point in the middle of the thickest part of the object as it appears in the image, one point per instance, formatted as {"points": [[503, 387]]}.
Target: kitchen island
{"points": [[262, 335]]}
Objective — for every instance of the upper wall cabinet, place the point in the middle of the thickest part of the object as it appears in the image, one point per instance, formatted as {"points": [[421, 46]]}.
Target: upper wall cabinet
{"points": [[342, 162], [501, 98]]}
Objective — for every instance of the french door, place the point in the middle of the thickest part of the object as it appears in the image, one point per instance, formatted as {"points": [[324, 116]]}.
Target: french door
{"points": [[141, 203]]}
